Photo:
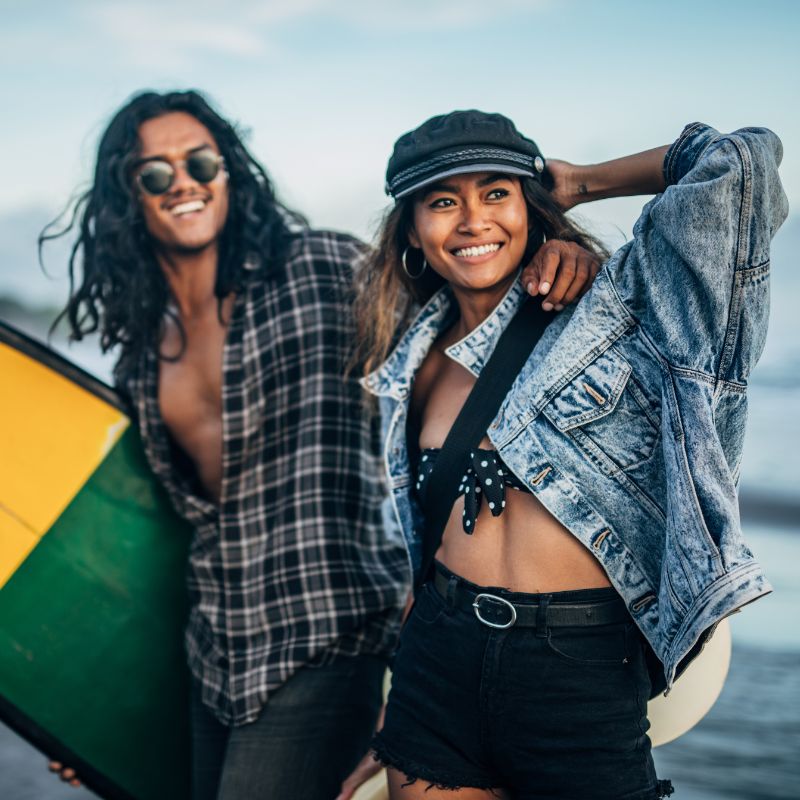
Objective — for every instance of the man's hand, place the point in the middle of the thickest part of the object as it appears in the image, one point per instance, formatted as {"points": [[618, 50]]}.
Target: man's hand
{"points": [[67, 774], [365, 769], [563, 271]]}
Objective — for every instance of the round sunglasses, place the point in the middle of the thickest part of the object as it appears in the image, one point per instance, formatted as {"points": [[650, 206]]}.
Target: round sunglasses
{"points": [[155, 177]]}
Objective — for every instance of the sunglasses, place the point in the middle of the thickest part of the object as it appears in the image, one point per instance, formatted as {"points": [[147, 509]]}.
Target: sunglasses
{"points": [[155, 177]]}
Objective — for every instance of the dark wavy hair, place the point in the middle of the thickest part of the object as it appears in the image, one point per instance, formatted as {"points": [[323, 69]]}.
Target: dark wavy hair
{"points": [[116, 284]]}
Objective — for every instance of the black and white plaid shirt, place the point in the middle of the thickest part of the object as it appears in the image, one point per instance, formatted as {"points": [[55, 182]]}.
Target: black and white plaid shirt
{"points": [[293, 565]]}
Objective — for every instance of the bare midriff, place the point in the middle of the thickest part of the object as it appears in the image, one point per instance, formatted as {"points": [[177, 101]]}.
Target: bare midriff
{"points": [[525, 548]]}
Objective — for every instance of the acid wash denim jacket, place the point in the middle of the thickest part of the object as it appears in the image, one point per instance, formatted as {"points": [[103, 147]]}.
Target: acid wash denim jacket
{"points": [[627, 421]]}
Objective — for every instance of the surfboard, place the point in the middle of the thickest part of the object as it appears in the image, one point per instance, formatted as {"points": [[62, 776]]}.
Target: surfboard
{"points": [[694, 693], [92, 599]]}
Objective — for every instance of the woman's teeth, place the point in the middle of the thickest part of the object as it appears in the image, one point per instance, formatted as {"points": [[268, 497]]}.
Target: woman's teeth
{"points": [[482, 250], [188, 208]]}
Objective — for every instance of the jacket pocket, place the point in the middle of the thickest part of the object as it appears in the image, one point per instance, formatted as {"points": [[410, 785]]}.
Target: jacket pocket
{"points": [[605, 403]]}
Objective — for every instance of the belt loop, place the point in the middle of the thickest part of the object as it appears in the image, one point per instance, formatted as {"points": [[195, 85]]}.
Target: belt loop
{"points": [[452, 585], [541, 616]]}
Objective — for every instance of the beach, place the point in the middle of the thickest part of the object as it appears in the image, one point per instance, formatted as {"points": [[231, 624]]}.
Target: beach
{"points": [[746, 748]]}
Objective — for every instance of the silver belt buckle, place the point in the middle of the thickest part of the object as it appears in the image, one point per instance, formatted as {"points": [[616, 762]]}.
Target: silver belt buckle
{"points": [[476, 606]]}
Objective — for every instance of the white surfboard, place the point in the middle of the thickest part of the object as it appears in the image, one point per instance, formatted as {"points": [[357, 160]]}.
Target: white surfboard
{"points": [[693, 694]]}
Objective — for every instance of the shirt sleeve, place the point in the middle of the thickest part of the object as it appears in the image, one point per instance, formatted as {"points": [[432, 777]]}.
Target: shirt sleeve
{"points": [[696, 274]]}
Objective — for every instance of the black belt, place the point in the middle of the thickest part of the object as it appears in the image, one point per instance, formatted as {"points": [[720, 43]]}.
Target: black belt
{"points": [[497, 612]]}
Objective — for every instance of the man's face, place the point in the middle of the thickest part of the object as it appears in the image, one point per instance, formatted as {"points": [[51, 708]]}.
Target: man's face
{"points": [[190, 215]]}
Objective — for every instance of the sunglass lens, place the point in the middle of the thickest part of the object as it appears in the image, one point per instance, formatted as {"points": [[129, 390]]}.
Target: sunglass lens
{"points": [[156, 177], [203, 166]]}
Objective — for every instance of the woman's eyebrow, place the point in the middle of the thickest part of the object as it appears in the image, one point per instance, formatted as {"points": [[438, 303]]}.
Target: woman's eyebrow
{"points": [[441, 187], [493, 178]]}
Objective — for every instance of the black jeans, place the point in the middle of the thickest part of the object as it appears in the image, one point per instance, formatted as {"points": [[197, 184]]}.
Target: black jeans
{"points": [[542, 712], [305, 742]]}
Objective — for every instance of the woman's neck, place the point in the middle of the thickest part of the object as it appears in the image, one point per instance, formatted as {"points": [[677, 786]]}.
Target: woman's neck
{"points": [[474, 307]]}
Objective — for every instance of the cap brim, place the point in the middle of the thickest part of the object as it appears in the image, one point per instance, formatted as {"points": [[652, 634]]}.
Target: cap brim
{"points": [[461, 170]]}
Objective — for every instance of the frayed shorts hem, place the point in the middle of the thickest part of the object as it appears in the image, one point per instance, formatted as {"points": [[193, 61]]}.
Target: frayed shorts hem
{"points": [[414, 771], [661, 790]]}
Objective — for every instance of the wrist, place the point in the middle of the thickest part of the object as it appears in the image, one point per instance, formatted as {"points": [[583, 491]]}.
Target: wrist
{"points": [[584, 185]]}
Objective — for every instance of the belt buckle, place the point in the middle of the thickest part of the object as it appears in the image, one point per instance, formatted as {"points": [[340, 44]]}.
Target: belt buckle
{"points": [[477, 608]]}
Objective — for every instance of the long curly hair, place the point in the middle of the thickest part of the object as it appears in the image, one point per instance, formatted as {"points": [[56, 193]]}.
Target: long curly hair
{"points": [[116, 285], [387, 298]]}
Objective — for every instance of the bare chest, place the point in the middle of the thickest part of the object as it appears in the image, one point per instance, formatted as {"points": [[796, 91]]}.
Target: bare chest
{"points": [[190, 394]]}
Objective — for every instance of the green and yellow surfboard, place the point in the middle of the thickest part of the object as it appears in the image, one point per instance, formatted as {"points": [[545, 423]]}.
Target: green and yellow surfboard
{"points": [[92, 600]]}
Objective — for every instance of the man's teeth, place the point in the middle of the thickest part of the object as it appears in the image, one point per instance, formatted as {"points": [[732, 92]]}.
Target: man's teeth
{"points": [[188, 208], [477, 251]]}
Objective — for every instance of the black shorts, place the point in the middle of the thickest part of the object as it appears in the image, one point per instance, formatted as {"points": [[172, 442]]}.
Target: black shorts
{"points": [[544, 711]]}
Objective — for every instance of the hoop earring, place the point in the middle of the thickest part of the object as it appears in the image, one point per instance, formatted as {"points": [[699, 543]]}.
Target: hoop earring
{"points": [[405, 265]]}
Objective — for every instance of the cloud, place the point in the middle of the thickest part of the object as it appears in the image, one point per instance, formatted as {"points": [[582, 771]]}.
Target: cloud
{"points": [[173, 35], [428, 16]]}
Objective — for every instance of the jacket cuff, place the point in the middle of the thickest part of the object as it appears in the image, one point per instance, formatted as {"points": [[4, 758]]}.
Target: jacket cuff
{"points": [[686, 150]]}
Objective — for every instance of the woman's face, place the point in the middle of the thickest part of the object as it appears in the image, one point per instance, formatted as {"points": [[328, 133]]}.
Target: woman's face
{"points": [[473, 229]]}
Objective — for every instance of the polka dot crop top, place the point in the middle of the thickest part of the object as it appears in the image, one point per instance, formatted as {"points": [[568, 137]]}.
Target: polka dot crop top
{"points": [[486, 475]]}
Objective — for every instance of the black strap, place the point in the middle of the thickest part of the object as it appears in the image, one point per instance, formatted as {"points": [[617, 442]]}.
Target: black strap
{"points": [[510, 353]]}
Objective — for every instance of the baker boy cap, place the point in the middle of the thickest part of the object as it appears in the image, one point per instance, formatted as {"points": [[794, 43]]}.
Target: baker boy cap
{"points": [[462, 141]]}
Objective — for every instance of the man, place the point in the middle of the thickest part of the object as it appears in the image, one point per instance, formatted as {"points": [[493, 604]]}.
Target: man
{"points": [[233, 323], [234, 328]]}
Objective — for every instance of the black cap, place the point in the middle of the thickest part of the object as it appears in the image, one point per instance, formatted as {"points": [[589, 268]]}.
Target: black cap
{"points": [[462, 141]]}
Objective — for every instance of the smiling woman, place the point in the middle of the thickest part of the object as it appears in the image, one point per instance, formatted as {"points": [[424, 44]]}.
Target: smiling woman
{"points": [[466, 221], [535, 640]]}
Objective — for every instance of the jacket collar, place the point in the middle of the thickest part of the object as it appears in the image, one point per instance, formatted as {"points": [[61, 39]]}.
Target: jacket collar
{"points": [[393, 378]]}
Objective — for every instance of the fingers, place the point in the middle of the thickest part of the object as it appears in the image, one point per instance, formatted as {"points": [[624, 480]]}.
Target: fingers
{"points": [[67, 774], [567, 269], [537, 277], [366, 768], [562, 271]]}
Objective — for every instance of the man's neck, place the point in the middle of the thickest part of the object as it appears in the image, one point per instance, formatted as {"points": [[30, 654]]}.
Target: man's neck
{"points": [[191, 278]]}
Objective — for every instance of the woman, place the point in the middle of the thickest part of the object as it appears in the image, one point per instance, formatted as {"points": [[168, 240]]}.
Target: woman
{"points": [[597, 523]]}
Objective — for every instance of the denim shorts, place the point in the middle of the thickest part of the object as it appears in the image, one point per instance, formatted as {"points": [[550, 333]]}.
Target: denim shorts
{"points": [[544, 711]]}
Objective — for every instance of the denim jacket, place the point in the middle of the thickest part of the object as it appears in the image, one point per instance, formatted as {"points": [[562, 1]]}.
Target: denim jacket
{"points": [[627, 420]]}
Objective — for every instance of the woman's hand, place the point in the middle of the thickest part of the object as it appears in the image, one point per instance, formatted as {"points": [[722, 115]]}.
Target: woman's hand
{"points": [[563, 271], [367, 768], [565, 190], [67, 774]]}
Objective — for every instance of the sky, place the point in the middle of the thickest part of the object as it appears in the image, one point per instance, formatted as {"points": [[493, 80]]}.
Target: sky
{"points": [[324, 87]]}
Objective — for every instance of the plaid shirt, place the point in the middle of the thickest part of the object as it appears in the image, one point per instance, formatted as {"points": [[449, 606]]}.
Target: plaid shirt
{"points": [[293, 565]]}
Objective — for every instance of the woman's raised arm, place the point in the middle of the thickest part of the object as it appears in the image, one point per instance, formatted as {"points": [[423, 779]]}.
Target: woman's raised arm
{"points": [[641, 173]]}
